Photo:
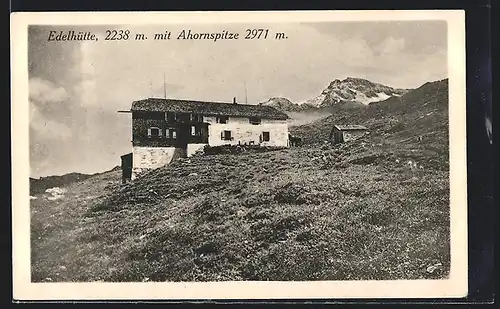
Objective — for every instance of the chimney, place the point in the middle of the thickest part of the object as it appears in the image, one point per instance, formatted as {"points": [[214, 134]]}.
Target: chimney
{"points": [[234, 100]]}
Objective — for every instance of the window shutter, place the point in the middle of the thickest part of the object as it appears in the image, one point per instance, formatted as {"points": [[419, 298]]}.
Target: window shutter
{"points": [[222, 135], [160, 132], [149, 131]]}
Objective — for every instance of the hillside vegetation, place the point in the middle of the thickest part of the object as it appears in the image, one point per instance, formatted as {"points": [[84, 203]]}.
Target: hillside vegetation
{"points": [[377, 208]]}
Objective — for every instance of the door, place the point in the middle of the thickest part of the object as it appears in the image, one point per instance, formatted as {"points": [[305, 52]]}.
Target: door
{"points": [[338, 137], [183, 135]]}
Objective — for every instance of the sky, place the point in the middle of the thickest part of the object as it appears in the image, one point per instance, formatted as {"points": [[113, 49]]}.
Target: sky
{"points": [[76, 88]]}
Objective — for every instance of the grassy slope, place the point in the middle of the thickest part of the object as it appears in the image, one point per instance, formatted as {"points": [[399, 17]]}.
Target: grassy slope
{"points": [[299, 214], [351, 211], [57, 226]]}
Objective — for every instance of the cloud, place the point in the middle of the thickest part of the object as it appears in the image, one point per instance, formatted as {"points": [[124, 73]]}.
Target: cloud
{"points": [[354, 52], [424, 37], [85, 92], [51, 129], [45, 100], [47, 128], [44, 91], [391, 46]]}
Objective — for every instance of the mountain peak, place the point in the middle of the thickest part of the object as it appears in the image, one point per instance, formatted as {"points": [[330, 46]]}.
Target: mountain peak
{"points": [[354, 89], [285, 104], [350, 91], [276, 101], [349, 78]]}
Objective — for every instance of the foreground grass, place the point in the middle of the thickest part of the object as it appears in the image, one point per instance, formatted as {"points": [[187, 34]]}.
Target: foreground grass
{"points": [[355, 211]]}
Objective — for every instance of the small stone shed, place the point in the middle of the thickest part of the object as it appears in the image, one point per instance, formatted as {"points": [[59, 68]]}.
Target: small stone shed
{"points": [[345, 133]]}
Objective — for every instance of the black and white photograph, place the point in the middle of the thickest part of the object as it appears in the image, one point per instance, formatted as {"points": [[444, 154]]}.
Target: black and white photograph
{"points": [[245, 150]]}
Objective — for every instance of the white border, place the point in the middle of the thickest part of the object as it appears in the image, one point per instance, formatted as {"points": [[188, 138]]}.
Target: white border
{"points": [[23, 289]]}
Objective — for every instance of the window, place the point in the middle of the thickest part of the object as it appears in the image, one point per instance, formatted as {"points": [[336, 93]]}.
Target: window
{"points": [[221, 119], [172, 117], [254, 120], [226, 135], [195, 118], [154, 132], [170, 133], [266, 137]]}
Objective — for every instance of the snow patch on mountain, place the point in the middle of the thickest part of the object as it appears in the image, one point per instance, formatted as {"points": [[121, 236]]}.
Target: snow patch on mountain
{"points": [[315, 101], [362, 98]]}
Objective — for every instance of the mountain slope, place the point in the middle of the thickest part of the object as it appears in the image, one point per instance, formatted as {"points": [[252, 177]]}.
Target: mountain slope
{"points": [[419, 112]]}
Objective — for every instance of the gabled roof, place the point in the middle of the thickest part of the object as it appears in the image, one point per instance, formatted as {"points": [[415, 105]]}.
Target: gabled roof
{"points": [[208, 108], [349, 127]]}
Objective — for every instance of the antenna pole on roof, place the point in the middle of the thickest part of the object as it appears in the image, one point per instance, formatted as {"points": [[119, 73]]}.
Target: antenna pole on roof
{"points": [[246, 97], [151, 88], [164, 87]]}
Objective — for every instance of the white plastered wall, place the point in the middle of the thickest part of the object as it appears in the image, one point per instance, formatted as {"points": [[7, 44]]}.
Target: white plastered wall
{"points": [[244, 132], [145, 158]]}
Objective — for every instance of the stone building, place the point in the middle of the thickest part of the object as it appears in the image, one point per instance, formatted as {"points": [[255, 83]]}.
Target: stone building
{"points": [[166, 129], [345, 133]]}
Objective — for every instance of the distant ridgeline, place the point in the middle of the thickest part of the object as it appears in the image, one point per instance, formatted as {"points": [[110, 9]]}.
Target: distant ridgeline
{"points": [[43, 183]]}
